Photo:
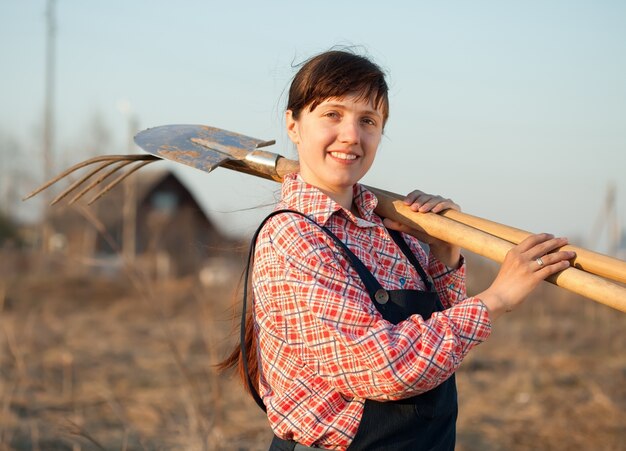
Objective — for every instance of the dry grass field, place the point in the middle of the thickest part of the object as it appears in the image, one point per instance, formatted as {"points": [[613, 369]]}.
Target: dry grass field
{"points": [[92, 362]]}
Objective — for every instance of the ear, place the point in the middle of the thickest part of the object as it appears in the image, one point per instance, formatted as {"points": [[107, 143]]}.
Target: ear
{"points": [[292, 127]]}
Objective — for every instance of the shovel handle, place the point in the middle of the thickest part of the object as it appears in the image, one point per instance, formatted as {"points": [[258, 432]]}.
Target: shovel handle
{"points": [[586, 260], [495, 248], [286, 166]]}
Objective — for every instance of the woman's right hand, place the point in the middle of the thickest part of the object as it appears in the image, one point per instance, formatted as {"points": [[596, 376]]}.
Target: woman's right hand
{"points": [[525, 265]]}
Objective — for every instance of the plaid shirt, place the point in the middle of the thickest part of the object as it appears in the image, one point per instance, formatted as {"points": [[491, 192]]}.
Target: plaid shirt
{"points": [[323, 346]]}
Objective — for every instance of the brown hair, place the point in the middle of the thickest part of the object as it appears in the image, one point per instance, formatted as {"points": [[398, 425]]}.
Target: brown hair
{"points": [[247, 369], [332, 74], [250, 372], [337, 73]]}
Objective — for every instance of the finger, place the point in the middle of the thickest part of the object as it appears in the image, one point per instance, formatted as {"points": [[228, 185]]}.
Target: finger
{"points": [[429, 203], [412, 196], [546, 247], [424, 202], [447, 204], [532, 241], [556, 257], [552, 259], [433, 203], [548, 270], [420, 200]]}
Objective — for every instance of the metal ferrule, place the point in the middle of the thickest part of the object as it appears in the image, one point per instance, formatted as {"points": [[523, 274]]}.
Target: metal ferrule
{"points": [[262, 160]]}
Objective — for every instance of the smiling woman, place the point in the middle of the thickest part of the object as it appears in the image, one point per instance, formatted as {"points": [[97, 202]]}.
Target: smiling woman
{"points": [[337, 143], [355, 332]]}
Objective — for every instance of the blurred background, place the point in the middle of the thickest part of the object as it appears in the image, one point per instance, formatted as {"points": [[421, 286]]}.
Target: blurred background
{"points": [[112, 315]]}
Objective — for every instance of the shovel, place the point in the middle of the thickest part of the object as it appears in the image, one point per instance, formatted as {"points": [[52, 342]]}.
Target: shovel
{"points": [[206, 148]]}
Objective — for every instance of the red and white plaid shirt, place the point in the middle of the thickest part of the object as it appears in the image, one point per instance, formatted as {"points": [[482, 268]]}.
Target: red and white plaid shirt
{"points": [[323, 346]]}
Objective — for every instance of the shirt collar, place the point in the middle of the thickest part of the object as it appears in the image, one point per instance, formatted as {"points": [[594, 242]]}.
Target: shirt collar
{"points": [[299, 195]]}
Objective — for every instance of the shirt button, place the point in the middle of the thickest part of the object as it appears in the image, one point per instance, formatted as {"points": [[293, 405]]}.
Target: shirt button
{"points": [[381, 296]]}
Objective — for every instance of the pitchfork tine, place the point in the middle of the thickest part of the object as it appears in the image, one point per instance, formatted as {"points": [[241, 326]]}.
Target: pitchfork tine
{"points": [[77, 183], [63, 174], [117, 181], [120, 164], [87, 163]]}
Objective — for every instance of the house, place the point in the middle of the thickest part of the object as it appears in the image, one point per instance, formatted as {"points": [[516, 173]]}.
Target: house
{"points": [[151, 220]]}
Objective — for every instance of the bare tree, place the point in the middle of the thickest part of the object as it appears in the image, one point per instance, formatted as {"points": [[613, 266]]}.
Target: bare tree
{"points": [[15, 175]]}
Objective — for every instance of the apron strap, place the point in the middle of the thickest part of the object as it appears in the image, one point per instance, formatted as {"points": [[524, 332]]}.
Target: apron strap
{"points": [[406, 250], [371, 284]]}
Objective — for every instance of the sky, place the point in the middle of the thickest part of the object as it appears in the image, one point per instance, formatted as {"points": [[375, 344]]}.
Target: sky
{"points": [[516, 110]]}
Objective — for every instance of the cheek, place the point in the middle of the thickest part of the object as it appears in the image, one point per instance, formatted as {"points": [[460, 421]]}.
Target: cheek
{"points": [[372, 143], [316, 139]]}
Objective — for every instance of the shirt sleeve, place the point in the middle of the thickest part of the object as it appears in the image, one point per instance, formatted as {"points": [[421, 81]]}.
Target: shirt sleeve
{"points": [[449, 282], [306, 300]]}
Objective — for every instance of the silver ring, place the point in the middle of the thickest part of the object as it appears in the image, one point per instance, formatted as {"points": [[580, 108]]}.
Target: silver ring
{"points": [[539, 261]]}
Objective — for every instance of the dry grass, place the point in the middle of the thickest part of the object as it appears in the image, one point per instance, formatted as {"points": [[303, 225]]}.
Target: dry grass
{"points": [[551, 377], [90, 363]]}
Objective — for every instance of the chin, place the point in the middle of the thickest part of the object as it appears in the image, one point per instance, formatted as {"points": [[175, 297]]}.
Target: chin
{"points": [[345, 184]]}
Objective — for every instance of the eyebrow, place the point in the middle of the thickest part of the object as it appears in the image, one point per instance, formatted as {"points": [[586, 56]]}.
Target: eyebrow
{"points": [[343, 107]]}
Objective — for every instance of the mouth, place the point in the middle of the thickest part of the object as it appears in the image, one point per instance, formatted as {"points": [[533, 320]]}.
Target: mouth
{"points": [[343, 156]]}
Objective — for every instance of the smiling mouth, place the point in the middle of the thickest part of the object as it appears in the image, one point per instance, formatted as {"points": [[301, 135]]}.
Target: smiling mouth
{"points": [[343, 156]]}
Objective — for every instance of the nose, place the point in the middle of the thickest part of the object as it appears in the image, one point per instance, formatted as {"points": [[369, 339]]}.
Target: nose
{"points": [[349, 132]]}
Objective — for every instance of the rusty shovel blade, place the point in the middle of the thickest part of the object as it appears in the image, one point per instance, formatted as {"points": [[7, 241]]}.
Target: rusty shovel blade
{"points": [[199, 146]]}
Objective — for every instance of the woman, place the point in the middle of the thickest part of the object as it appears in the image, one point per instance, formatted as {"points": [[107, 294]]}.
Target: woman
{"points": [[355, 331]]}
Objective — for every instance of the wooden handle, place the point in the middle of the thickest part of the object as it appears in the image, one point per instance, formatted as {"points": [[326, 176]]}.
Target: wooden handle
{"points": [[285, 166], [490, 246], [586, 260]]}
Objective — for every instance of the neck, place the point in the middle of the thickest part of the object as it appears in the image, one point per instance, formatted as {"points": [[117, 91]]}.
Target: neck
{"points": [[345, 199]]}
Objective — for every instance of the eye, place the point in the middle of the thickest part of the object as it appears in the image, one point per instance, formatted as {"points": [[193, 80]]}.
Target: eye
{"points": [[331, 114], [368, 121]]}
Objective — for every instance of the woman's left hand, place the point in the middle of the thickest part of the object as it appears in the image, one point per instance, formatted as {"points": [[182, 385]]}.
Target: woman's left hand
{"points": [[422, 202]]}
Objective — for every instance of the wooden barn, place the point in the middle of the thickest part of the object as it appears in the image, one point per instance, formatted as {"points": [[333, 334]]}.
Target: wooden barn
{"points": [[153, 222]]}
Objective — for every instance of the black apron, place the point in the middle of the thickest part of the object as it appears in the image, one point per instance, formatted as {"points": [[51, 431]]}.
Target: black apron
{"points": [[423, 422]]}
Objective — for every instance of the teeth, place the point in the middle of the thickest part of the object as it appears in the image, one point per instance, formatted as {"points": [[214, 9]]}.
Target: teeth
{"points": [[343, 156]]}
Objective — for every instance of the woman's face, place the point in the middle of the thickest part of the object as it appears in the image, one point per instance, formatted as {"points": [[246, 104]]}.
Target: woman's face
{"points": [[336, 142]]}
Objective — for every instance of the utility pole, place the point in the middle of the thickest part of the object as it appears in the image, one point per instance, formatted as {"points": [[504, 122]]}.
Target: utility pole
{"points": [[48, 132], [608, 219], [129, 209]]}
